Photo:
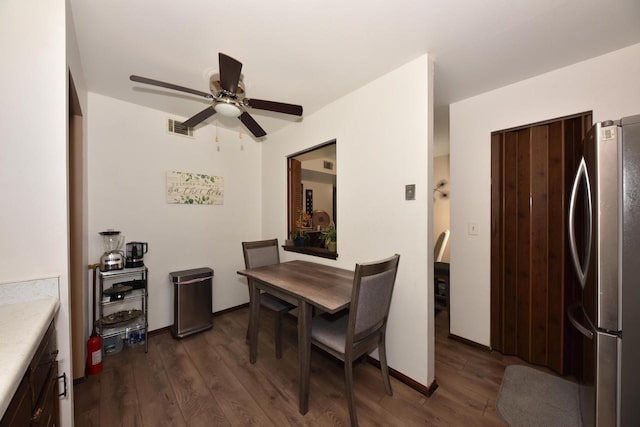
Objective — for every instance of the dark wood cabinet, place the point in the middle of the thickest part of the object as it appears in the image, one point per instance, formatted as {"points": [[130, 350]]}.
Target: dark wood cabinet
{"points": [[18, 412], [532, 280], [35, 403], [46, 413]]}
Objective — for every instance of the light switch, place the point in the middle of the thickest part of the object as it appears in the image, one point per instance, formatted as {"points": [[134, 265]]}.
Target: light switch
{"points": [[410, 192], [472, 229]]}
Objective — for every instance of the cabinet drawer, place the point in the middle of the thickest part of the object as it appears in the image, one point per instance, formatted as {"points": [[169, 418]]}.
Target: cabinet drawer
{"points": [[45, 413], [36, 401], [19, 411], [41, 363]]}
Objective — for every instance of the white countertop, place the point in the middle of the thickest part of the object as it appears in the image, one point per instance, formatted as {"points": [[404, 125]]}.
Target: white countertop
{"points": [[22, 327]]}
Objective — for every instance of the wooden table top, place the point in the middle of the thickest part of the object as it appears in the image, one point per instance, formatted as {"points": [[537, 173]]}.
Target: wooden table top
{"points": [[323, 286]]}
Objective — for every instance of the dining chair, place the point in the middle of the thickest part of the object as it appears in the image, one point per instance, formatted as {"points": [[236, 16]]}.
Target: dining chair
{"points": [[440, 246], [363, 328], [257, 254]]}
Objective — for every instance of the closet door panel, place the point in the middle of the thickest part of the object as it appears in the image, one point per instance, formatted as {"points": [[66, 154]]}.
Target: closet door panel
{"points": [[497, 242], [510, 277], [539, 205], [556, 248], [523, 244]]}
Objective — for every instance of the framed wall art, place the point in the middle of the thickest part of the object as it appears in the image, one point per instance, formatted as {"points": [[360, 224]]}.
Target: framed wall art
{"points": [[194, 188]]}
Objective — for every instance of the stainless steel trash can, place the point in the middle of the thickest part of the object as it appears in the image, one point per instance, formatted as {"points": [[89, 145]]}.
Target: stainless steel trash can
{"points": [[192, 301]]}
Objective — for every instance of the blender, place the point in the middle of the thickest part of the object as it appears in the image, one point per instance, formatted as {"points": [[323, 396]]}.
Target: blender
{"points": [[113, 257]]}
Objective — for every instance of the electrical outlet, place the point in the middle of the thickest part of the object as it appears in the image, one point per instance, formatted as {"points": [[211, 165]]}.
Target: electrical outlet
{"points": [[410, 192], [472, 229]]}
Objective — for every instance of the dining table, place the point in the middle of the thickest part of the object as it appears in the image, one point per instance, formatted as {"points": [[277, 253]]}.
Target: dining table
{"points": [[314, 287]]}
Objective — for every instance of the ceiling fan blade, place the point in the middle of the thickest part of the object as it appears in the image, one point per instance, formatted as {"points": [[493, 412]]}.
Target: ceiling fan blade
{"points": [[278, 107], [252, 125], [229, 72], [152, 82], [200, 117]]}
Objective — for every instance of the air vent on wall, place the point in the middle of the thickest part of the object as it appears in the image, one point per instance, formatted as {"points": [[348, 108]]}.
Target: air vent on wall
{"points": [[177, 128], [328, 165]]}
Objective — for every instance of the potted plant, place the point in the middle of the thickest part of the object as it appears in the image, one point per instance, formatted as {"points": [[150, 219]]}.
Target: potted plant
{"points": [[330, 238], [300, 236]]}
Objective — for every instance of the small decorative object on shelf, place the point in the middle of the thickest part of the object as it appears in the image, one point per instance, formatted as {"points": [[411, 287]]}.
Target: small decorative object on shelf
{"points": [[120, 318]]}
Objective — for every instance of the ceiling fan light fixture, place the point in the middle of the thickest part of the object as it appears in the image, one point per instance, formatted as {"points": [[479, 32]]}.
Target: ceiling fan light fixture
{"points": [[227, 109], [227, 97]]}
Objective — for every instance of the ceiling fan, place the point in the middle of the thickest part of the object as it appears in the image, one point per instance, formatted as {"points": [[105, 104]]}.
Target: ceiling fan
{"points": [[227, 97]]}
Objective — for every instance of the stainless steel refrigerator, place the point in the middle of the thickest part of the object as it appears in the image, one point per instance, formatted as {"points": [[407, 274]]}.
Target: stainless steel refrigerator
{"points": [[604, 237]]}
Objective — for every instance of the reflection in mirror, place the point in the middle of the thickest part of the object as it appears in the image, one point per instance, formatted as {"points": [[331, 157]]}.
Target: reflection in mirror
{"points": [[312, 199]]}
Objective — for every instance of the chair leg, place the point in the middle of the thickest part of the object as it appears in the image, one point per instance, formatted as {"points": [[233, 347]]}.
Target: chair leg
{"points": [[351, 401], [382, 352], [278, 334]]}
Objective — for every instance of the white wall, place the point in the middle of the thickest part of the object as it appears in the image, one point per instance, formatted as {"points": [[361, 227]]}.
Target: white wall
{"points": [[75, 69], [382, 144], [322, 196], [318, 165], [129, 155], [33, 156], [608, 85], [322, 192]]}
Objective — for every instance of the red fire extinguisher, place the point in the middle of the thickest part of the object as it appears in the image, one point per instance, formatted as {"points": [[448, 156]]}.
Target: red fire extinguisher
{"points": [[94, 344], [94, 354]]}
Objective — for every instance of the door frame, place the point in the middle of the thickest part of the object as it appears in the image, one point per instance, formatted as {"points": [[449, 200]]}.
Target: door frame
{"points": [[78, 282]]}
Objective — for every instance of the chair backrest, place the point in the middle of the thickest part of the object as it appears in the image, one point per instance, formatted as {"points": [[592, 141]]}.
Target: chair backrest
{"points": [[441, 244], [371, 298], [261, 252]]}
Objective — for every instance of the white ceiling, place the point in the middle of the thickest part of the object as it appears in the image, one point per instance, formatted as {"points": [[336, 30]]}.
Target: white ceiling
{"points": [[311, 52]]}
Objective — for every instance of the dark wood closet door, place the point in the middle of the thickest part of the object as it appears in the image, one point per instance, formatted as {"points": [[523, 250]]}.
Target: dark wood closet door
{"points": [[532, 170]]}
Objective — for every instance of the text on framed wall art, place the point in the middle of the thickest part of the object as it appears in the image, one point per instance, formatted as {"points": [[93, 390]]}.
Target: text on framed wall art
{"points": [[194, 188]]}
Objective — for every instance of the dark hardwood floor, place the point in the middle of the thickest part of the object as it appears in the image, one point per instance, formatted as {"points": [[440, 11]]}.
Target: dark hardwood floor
{"points": [[206, 380]]}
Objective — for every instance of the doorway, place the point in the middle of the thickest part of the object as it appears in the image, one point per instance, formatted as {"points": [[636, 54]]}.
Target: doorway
{"points": [[532, 169], [441, 227]]}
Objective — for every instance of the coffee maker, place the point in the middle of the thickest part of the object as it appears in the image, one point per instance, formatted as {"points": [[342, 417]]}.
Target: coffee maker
{"points": [[113, 257], [135, 254]]}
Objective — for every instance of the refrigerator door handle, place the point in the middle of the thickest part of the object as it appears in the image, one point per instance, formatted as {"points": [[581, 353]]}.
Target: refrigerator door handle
{"points": [[570, 314], [580, 175]]}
